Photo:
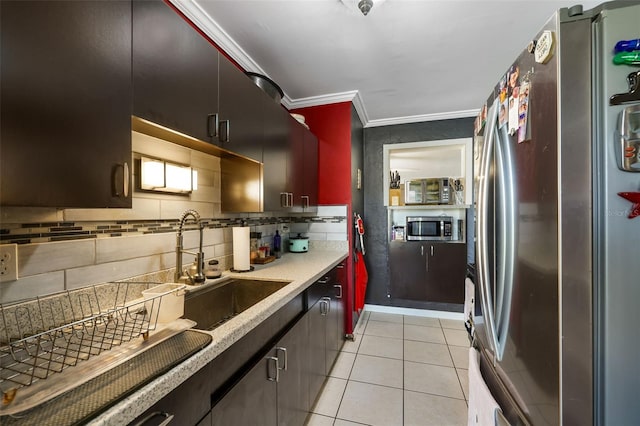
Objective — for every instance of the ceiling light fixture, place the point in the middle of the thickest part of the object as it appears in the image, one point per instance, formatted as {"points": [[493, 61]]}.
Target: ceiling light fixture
{"points": [[365, 6]]}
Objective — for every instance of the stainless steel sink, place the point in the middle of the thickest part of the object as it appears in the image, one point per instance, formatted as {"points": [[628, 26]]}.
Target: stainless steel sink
{"points": [[211, 306]]}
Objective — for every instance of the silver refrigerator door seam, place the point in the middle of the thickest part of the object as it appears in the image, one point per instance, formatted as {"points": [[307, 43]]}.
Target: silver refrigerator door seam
{"points": [[482, 237]]}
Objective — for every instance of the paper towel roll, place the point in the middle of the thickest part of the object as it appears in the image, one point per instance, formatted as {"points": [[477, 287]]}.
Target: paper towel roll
{"points": [[241, 248]]}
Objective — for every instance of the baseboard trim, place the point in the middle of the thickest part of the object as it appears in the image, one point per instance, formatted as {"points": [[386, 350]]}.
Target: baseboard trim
{"points": [[415, 312]]}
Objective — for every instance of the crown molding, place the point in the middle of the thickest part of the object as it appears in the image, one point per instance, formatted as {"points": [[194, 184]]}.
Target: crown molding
{"points": [[421, 118], [352, 96], [192, 10]]}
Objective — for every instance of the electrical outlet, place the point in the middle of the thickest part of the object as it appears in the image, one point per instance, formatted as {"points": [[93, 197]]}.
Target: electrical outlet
{"points": [[8, 262]]}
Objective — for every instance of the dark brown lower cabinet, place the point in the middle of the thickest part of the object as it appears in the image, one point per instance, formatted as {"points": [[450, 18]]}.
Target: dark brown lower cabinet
{"points": [[335, 322], [316, 366], [275, 391], [326, 329], [252, 401], [427, 271], [293, 384]]}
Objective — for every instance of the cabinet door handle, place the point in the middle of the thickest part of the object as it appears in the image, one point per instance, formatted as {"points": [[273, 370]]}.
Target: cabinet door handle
{"points": [[324, 310], [284, 203], [167, 418], [124, 190], [212, 125], [227, 128], [290, 199], [421, 250], [275, 361], [323, 280], [286, 358], [305, 201], [432, 251], [327, 300], [339, 287]]}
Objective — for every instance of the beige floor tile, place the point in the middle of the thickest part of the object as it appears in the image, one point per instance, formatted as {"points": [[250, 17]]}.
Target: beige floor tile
{"points": [[453, 324], [463, 375], [352, 345], [460, 355], [432, 379], [431, 410], [386, 317], [330, 397], [318, 420], [424, 334], [423, 321], [381, 346], [340, 422], [429, 353], [342, 367], [371, 404], [384, 329], [456, 337], [377, 370]]}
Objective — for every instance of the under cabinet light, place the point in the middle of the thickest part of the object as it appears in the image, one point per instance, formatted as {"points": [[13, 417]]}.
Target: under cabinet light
{"points": [[152, 173], [163, 176]]}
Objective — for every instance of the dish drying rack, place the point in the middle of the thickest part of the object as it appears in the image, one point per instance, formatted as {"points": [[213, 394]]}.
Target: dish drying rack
{"points": [[45, 336]]}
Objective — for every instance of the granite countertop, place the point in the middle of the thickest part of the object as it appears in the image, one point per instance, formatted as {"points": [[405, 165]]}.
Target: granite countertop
{"points": [[302, 269]]}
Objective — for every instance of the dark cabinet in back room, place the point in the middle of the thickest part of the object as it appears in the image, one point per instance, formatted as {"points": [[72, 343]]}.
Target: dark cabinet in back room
{"points": [[175, 72], [65, 103], [427, 271]]}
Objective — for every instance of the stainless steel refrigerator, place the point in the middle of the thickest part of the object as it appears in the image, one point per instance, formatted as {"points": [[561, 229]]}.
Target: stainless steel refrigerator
{"points": [[557, 262]]}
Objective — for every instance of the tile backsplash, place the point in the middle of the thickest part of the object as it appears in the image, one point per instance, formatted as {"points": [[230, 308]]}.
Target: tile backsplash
{"points": [[57, 256]]}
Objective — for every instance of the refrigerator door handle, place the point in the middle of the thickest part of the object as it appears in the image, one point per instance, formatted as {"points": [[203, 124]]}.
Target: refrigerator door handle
{"points": [[482, 237], [506, 244]]}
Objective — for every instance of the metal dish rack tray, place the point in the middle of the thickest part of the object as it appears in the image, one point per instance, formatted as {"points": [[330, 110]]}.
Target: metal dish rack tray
{"points": [[46, 335]]}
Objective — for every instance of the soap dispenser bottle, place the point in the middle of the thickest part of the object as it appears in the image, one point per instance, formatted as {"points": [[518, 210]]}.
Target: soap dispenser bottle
{"points": [[277, 244]]}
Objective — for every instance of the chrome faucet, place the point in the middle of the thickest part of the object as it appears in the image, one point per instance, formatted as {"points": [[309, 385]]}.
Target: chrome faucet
{"points": [[182, 275]]}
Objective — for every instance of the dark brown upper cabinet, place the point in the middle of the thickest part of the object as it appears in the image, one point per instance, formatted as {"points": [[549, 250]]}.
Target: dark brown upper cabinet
{"points": [[242, 111], [65, 103], [175, 72]]}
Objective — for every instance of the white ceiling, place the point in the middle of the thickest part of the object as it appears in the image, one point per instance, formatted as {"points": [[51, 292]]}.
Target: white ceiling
{"points": [[407, 61]]}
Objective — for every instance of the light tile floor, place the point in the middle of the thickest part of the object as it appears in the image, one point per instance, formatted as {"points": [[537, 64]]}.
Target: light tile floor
{"points": [[400, 370]]}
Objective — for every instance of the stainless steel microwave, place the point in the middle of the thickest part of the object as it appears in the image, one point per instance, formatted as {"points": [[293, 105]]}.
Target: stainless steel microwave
{"points": [[437, 228], [428, 191]]}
